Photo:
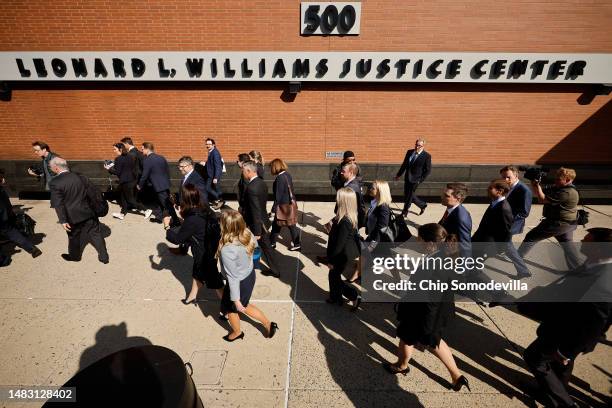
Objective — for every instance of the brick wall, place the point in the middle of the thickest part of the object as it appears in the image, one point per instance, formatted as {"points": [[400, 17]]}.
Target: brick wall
{"points": [[474, 124]]}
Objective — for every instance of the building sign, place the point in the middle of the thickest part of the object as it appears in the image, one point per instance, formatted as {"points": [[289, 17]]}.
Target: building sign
{"points": [[334, 155], [330, 18], [307, 66]]}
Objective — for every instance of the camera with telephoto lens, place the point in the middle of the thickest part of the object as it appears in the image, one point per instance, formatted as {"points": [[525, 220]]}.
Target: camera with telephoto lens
{"points": [[534, 173]]}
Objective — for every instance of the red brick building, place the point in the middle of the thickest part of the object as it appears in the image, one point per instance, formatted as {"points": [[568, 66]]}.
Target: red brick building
{"points": [[464, 124]]}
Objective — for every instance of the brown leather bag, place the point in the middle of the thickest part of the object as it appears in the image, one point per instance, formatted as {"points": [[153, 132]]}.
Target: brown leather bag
{"points": [[287, 214]]}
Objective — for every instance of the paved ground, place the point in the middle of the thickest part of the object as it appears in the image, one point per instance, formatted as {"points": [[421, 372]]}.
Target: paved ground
{"points": [[59, 317]]}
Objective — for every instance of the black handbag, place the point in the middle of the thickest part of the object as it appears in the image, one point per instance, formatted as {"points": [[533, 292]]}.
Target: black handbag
{"points": [[397, 231]]}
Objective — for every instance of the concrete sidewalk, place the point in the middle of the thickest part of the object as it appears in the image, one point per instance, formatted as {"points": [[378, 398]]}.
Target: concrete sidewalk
{"points": [[59, 317]]}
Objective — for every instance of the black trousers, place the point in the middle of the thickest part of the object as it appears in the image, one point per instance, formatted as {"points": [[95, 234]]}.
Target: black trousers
{"points": [[83, 233], [164, 206], [411, 197], [18, 238], [293, 230], [551, 375], [267, 250], [563, 232], [338, 287], [127, 198]]}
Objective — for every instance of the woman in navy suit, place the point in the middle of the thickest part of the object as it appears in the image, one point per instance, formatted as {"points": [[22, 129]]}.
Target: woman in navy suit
{"points": [[283, 194]]}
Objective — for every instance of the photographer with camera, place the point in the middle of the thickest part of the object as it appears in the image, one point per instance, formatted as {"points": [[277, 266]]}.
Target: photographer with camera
{"points": [[42, 171], [560, 211]]}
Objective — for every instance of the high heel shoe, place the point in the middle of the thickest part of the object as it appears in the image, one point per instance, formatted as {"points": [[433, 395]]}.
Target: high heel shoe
{"points": [[357, 280], [461, 381], [189, 302], [273, 329], [240, 336], [391, 368]]}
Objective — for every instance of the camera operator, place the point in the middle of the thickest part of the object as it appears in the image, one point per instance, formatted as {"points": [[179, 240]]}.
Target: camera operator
{"points": [[560, 211]]}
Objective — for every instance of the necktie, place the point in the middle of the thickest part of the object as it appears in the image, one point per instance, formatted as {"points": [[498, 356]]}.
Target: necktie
{"points": [[413, 157], [444, 217]]}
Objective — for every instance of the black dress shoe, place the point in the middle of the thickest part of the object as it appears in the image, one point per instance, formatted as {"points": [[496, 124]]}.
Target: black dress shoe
{"points": [[423, 210], [355, 306], [36, 252], [155, 220], [331, 301], [69, 258], [521, 276], [461, 381], [104, 261], [394, 370], [270, 272], [273, 329], [227, 338]]}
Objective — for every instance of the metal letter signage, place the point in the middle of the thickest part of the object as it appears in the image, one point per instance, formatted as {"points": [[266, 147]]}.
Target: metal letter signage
{"points": [[330, 18], [466, 67]]}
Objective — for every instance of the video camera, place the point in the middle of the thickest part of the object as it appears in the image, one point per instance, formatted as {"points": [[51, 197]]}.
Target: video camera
{"points": [[534, 173]]}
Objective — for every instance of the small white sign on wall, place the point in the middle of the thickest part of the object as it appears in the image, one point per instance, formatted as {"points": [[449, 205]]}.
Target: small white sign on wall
{"points": [[330, 18]]}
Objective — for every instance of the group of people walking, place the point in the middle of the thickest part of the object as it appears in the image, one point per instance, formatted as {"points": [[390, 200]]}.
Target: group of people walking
{"points": [[195, 218]]}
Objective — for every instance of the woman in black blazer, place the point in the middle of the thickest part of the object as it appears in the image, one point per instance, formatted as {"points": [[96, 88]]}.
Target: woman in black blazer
{"points": [[283, 194], [126, 168], [379, 212], [424, 323], [195, 231], [258, 158], [342, 248]]}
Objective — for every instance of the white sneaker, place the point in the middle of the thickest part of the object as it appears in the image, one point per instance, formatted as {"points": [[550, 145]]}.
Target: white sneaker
{"points": [[147, 213], [118, 216]]}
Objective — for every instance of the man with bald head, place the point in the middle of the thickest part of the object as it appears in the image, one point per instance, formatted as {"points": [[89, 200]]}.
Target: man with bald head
{"points": [[69, 199]]}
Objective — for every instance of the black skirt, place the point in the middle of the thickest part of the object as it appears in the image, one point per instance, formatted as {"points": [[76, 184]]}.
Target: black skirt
{"points": [[246, 290], [207, 272], [424, 323]]}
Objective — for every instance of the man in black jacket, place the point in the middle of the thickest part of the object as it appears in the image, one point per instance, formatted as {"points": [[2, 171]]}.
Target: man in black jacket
{"points": [[255, 213], [497, 220], [156, 171], [43, 170], [569, 329], [69, 199], [7, 226], [337, 181], [349, 175], [417, 165], [136, 154]]}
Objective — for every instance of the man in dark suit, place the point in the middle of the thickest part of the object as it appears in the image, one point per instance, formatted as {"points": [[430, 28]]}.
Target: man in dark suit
{"points": [[519, 197], [190, 176], [417, 165], [497, 220], [155, 170], [214, 170], [349, 175], [69, 199], [337, 181], [7, 226], [42, 170], [255, 214], [568, 329], [456, 219], [135, 154]]}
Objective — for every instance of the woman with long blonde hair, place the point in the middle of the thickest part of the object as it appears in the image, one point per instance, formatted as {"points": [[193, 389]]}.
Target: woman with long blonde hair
{"points": [[342, 248], [236, 248]]}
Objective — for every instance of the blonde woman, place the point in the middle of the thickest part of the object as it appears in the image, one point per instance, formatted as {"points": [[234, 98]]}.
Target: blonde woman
{"points": [[342, 248], [379, 212], [258, 158], [235, 251]]}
